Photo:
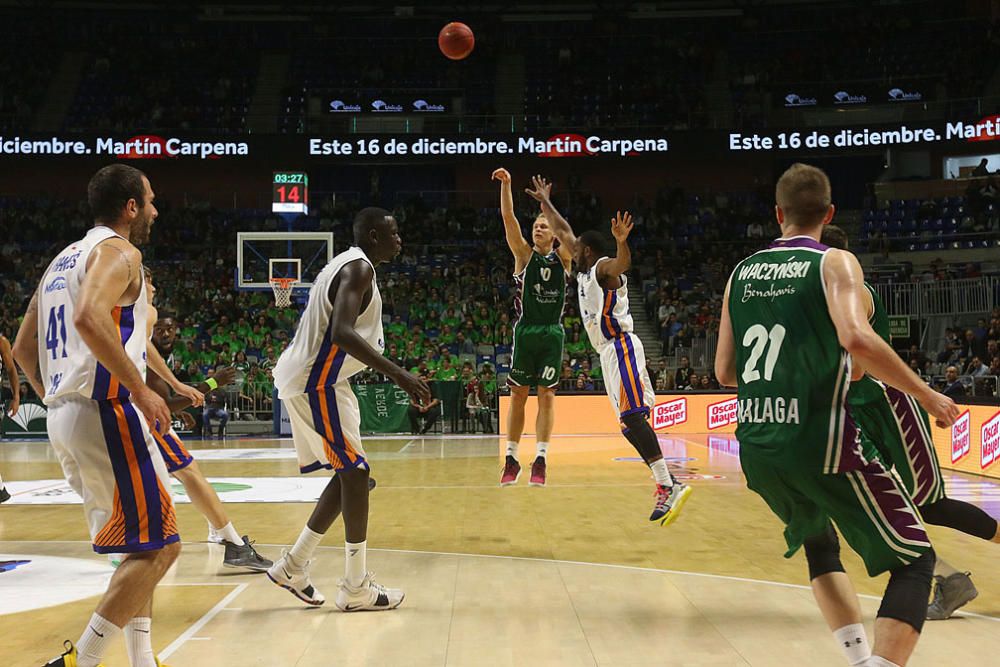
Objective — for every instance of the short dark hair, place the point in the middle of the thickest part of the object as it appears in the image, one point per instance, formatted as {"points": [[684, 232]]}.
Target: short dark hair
{"points": [[803, 193], [110, 189], [368, 219], [835, 237], [593, 240]]}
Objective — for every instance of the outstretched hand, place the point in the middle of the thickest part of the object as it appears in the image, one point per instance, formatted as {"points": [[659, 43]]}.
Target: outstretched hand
{"points": [[621, 225], [501, 175], [543, 189]]}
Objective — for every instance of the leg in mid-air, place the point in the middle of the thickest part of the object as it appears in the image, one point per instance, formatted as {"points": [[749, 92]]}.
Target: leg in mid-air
{"points": [[954, 588], [515, 427], [543, 428]]}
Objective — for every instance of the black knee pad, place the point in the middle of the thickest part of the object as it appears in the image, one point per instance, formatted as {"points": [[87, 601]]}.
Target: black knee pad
{"points": [[823, 553], [909, 588], [962, 516], [641, 435]]}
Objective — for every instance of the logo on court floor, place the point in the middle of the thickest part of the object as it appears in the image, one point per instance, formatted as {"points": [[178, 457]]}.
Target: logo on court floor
{"points": [[960, 440], [722, 413], [670, 413], [990, 450]]}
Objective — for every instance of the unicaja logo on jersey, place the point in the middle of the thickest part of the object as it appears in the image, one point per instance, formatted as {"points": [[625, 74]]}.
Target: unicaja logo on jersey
{"points": [[990, 451], [670, 413], [960, 442], [723, 413]]}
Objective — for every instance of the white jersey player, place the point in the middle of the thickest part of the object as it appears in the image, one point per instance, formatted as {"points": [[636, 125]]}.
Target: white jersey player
{"points": [[339, 335], [601, 285], [83, 345]]}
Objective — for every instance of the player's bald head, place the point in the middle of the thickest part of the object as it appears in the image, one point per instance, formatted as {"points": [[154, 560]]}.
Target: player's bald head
{"points": [[803, 195], [368, 220]]}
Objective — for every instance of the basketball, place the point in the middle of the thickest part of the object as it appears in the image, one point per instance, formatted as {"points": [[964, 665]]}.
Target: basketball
{"points": [[456, 40]]}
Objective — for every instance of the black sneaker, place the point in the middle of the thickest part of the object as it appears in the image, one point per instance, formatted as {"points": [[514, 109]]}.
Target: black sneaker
{"points": [[4, 496], [244, 555]]}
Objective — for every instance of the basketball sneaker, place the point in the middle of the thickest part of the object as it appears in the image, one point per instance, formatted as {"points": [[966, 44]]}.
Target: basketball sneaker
{"points": [[669, 501], [537, 472], [4, 494], [67, 659], [369, 596], [294, 579], [244, 555], [511, 472], [950, 593]]}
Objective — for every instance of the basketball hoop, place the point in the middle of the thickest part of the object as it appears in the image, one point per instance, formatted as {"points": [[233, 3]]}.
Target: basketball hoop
{"points": [[282, 288]]}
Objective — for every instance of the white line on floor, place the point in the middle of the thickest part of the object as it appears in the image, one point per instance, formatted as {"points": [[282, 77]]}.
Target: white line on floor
{"points": [[407, 445], [201, 622]]}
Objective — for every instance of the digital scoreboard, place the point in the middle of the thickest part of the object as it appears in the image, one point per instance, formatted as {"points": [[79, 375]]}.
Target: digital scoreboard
{"points": [[290, 192]]}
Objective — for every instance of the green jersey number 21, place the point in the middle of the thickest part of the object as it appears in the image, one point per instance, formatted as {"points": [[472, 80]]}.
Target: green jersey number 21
{"points": [[760, 338]]}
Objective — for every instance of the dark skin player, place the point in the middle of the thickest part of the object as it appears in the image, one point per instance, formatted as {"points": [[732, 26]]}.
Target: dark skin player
{"points": [[350, 294]]}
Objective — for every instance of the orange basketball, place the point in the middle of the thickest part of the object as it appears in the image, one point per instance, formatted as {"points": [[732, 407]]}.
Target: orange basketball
{"points": [[456, 40]]}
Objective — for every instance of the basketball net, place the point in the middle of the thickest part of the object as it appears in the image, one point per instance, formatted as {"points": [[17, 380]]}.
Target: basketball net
{"points": [[282, 288]]}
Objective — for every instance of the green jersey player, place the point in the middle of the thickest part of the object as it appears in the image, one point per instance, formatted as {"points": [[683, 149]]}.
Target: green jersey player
{"points": [[900, 429], [540, 278], [794, 332]]}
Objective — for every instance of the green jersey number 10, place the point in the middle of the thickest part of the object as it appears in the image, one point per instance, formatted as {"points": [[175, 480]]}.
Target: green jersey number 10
{"points": [[760, 338]]}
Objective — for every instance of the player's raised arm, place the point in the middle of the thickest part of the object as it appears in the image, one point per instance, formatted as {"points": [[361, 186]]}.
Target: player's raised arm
{"points": [[11, 368], [347, 298], [541, 192], [520, 248], [610, 272], [178, 402], [848, 305], [114, 266], [725, 351], [26, 347]]}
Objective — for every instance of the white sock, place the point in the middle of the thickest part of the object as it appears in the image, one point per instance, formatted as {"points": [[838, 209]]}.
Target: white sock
{"points": [[853, 641], [356, 562], [512, 448], [879, 661], [542, 449], [94, 641], [1, 482], [304, 547], [229, 534], [139, 643], [661, 474]]}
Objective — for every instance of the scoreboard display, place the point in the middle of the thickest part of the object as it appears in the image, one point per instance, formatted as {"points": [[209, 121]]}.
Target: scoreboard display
{"points": [[290, 192]]}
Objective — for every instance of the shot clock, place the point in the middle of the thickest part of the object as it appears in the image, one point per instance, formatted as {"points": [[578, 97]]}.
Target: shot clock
{"points": [[290, 192]]}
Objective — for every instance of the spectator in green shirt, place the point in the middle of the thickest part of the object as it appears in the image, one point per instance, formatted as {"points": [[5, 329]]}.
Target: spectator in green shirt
{"points": [[446, 372], [594, 373], [483, 318], [571, 318], [485, 335], [396, 328], [446, 337], [489, 380], [451, 319], [576, 347]]}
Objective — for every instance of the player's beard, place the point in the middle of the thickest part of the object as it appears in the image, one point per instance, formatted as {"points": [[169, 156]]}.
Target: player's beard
{"points": [[139, 229]]}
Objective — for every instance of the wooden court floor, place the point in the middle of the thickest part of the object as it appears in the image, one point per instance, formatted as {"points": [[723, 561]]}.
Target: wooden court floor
{"points": [[570, 574]]}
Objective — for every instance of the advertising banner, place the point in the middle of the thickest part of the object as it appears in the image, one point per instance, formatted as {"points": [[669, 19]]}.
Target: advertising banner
{"points": [[302, 149], [971, 444]]}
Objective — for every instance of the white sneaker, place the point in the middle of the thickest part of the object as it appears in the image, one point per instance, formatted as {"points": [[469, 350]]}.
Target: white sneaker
{"points": [[214, 536], [295, 580], [369, 596]]}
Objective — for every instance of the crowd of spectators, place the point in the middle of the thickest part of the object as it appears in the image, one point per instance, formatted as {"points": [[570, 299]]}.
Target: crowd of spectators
{"points": [[178, 69], [448, 298], [969, 361]]}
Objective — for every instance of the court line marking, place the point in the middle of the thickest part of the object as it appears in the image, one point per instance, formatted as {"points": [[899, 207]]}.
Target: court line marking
{"points": [[635, 568], [202, 622]]}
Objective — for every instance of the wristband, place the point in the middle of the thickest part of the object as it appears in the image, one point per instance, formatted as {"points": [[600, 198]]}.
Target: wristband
{"points": [[212, 384]]}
